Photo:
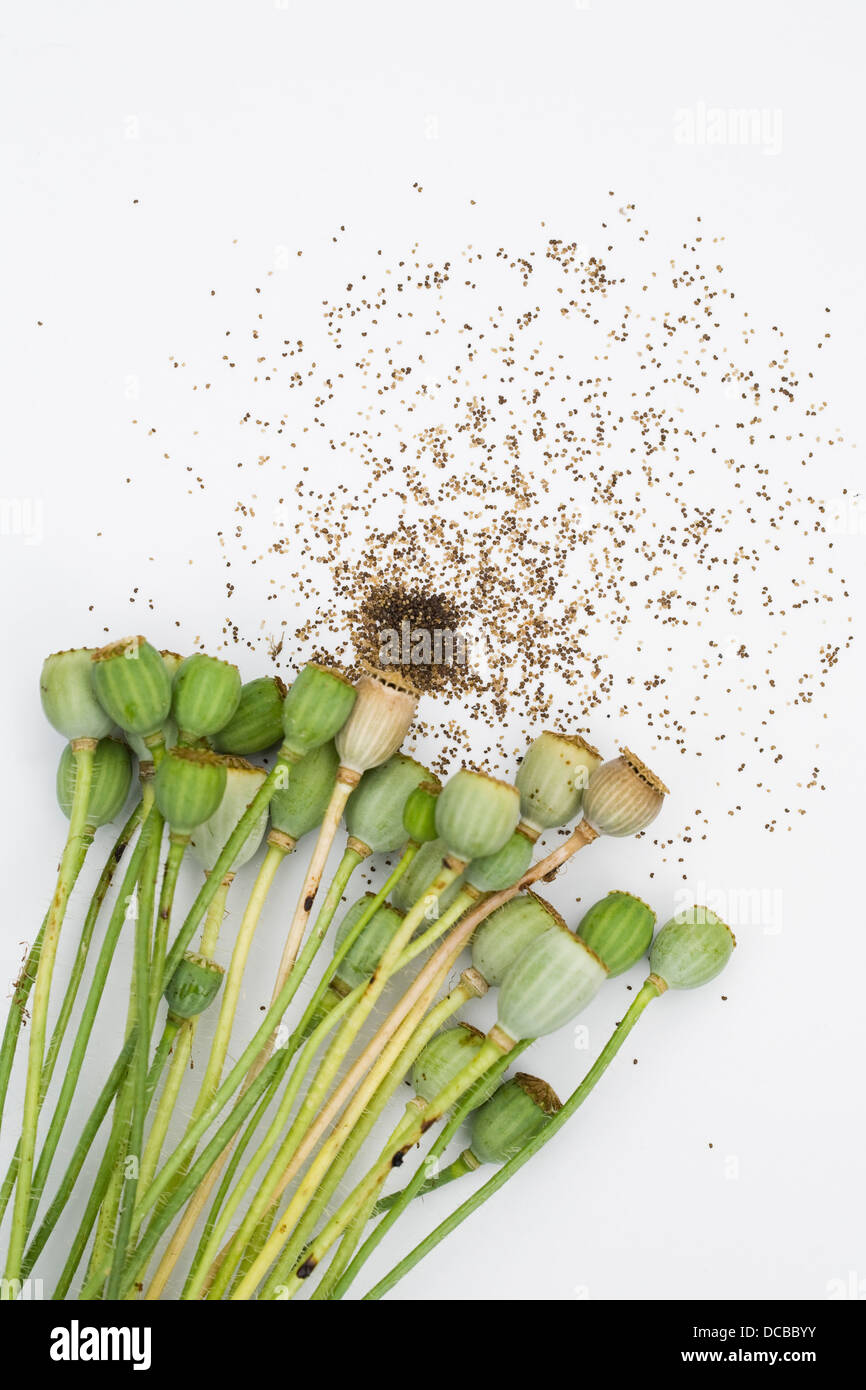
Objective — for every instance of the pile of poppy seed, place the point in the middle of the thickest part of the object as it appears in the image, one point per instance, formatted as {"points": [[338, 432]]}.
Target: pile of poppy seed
{"points": [[529, 445]]}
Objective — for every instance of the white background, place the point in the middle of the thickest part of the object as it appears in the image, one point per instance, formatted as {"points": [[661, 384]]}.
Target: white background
{"points": [[243, 127]]}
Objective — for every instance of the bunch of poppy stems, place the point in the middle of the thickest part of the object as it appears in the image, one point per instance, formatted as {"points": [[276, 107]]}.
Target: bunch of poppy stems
{"points": [[244, 1206]]}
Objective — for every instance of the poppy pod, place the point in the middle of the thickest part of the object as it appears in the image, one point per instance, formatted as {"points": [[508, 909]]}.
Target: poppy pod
{"points": [[374, 811], [189, 787], [68, 698], [109, 783], [514, 1114], [476, 814], [300, 806], [132, 685], [419, 813], [379, 721], [507, 932], [548, 984], [425, 867], [691, 948], [444, 1058], [619, 929], [242, 782], [364, 954], [499, 870], [193, 986], [553, 777], [316, 707], [205, 694], [257, 723], [623, 796]]}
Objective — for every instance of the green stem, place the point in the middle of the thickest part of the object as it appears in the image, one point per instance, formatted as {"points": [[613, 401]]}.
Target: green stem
{"points": [[61, 1197], [199, 1272], [274, 857], [327, 1288], [231, 1168], [461, 1167], [177, 846], [419, 1181], [177, 1034], [36, 1053], [100, 1186], [115, 1152], [272, 783], [223, 1094], [139, 1069], [142, 1253], [68, 1004], [309, 1019], [119, 915], [79, 1244], [207, 947], [210, 931], [419, 1039], [647, 993], [17, 1012], [408, 1135], [335, 1289], [106, 879], [389, 1049]]}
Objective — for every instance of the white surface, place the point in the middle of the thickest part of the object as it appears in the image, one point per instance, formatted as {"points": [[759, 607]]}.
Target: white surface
{"points": [[269, 126]]}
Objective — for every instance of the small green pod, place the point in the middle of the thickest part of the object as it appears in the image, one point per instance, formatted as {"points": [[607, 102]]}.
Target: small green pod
{"points": [[109, 783], [316, 707], [619, 929], [189, 785], [257, 723], [205, 694], [374, 811], [553, 777], [193, 986], [424, 868], [503, 868], [519, 1110], [476, 814], [419, 813], [444, 1058], [301, 804], [623, 796], [364, 954], [208, 840], [548, 985], [692, 948], [68, 698], [132, 685], [506, 933]]}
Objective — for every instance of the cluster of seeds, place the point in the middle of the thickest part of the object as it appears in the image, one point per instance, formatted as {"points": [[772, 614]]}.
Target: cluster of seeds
{"points": [[584, 459]]}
